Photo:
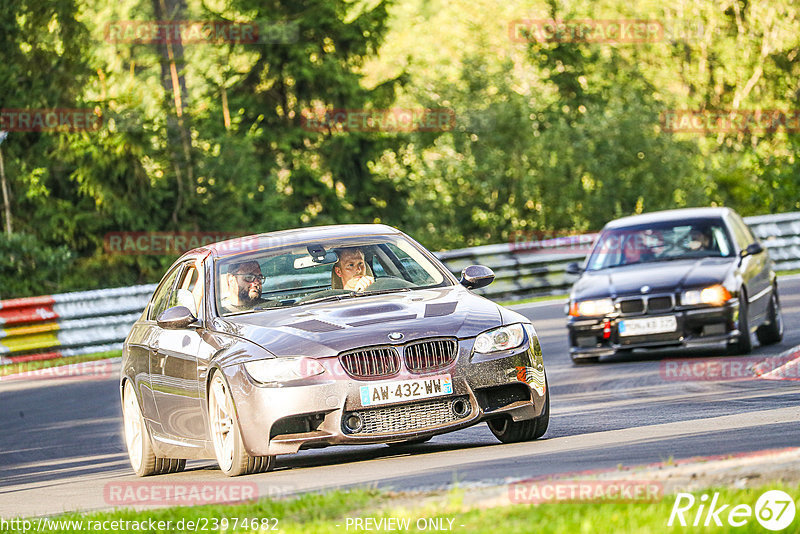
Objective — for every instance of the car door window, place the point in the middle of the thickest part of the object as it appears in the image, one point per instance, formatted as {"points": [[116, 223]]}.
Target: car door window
{"points": [[189, 291], [742, 233], [162, 295]]}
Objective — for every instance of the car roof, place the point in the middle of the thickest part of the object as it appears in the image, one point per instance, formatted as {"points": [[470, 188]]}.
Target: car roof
{"points": [[668, 216], [295, 236]]}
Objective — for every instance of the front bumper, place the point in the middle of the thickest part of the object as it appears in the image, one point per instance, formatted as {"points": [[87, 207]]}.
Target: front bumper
{"points": [[311, 413], [697, 327]]}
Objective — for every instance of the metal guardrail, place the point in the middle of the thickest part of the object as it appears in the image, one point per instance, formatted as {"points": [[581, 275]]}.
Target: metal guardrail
{"points": [[780, 234], [520, 271], [67, 324], [54, 326]]}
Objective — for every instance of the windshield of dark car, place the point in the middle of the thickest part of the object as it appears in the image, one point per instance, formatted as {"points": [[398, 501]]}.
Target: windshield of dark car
{"points": [[662, 242], [332, 270]]}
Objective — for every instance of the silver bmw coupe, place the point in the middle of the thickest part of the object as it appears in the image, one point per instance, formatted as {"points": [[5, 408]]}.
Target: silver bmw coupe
{"points": [[339, 335]]}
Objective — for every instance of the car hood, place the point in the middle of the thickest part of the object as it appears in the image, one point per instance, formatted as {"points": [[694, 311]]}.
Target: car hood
{"points": [[328, 328], [661, 277]]}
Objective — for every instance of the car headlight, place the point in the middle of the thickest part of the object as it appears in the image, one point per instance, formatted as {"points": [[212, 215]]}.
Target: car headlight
{"points": [[283, 369], [715, 295], [503, 338], [591, 307]]}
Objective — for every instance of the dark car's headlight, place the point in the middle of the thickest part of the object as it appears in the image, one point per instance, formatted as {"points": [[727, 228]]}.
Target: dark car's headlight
{"points": [[276, 370], [715, 295], [591, 308], [503, 338]]}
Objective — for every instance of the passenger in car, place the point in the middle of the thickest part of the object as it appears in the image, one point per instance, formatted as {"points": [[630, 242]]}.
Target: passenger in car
{"points": [[351, 272], [699, 240], [635, 251]]}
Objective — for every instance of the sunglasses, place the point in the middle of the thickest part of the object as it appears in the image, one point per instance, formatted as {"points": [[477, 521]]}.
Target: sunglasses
{"points": [[250, 278]]}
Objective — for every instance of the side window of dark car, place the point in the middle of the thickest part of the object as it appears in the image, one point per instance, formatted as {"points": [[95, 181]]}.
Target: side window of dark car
{"points": [[743, 235], [161, 297]]}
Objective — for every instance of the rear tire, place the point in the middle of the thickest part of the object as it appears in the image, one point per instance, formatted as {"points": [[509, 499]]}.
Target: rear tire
{"points": [[229, 449], [743, 345], [772, 332], [510, 431], [137, 439]]}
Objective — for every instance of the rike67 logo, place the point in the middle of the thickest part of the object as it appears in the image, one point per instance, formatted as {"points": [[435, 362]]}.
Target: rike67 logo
{"points": [[774, 510]]}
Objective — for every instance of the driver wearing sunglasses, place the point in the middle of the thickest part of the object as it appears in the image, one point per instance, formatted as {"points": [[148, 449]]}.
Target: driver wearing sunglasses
{"points": [[244, 287]]}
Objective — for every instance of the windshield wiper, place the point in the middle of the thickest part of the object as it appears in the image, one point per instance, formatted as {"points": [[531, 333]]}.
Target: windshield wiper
{"points": [[659, 260], [381, 291], [695, 257], [620, 265], [326, 298]]}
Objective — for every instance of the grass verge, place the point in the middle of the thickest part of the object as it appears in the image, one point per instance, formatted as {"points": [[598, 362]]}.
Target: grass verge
{"points": [[336, 511]]}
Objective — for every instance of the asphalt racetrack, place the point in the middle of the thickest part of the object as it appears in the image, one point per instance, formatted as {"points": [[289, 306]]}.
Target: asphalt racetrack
{"points": [[61, 441]]}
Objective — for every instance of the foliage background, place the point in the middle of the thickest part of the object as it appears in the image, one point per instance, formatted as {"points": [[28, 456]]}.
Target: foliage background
{"points": [[549, 137]]}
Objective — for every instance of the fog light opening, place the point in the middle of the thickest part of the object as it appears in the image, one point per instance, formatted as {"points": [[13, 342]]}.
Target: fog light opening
{"points": [[354, 423], [461, 408], [606, 329]]}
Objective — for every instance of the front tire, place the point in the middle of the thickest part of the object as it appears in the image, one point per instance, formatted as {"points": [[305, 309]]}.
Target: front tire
{"points": [[137, 439], [229, 449], [509, 431], [772, 332]]}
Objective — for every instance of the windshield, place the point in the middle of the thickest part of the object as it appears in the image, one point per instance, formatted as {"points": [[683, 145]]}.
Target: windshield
{"points": [[660, 242], [313, 272]]}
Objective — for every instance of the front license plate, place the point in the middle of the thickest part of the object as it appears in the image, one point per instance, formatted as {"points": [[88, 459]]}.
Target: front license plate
{"points": [[403, 390], [650, 325]]}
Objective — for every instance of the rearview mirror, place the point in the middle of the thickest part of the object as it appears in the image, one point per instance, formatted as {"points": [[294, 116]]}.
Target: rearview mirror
{"points": [[574, 268], [752, 248], [175, 318], [476, 276], [303, 262]]}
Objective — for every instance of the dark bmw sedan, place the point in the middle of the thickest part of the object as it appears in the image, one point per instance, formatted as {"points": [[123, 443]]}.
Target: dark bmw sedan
{"points": [[674, 279]]}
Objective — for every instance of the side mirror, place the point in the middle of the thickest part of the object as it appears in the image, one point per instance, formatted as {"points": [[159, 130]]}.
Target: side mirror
{"points": [[752, 248], [476, 276], [175, 318], [574, 268]]}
